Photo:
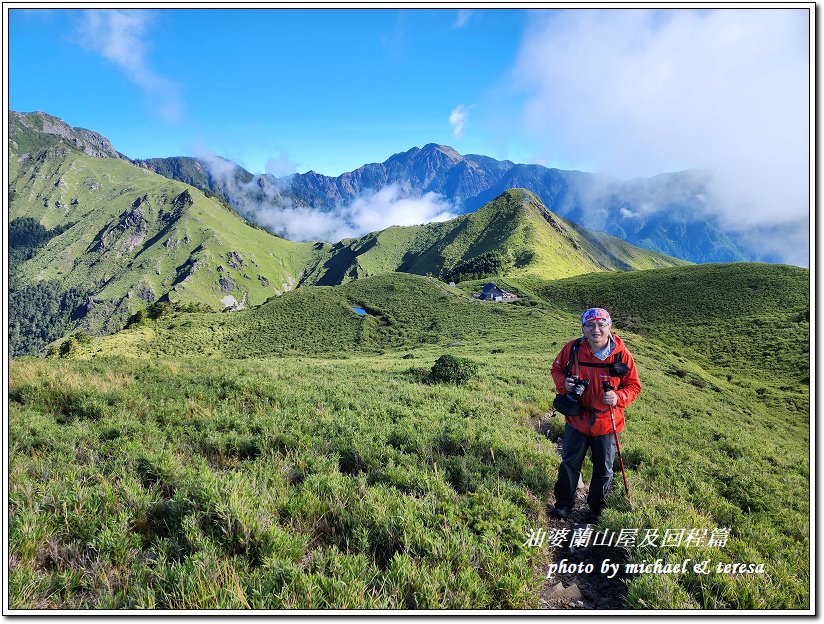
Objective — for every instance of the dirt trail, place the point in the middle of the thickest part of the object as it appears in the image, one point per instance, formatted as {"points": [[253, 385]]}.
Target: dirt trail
{"points": [[573, 590]]}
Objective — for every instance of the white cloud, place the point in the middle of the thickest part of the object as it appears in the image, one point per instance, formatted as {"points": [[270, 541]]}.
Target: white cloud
{"points": [[220, 168], [458, 118], [370, 212], [120, 35], [390, 205], [462, 18], [300, 223], [637, 92], [783, 241], [267, 201]]}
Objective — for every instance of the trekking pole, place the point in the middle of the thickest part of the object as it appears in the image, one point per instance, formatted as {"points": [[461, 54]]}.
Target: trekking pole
{"points": [[608, 387]]}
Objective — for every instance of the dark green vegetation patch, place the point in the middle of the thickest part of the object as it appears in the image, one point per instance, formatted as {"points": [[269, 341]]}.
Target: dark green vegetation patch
{"points": [[451, 369]]}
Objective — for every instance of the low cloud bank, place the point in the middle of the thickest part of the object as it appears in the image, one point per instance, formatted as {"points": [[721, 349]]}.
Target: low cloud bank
{"points": [[268, 201], [637, 92]]}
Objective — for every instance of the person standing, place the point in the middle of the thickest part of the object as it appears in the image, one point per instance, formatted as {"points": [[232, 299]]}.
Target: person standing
{"points": [[583, 366]]}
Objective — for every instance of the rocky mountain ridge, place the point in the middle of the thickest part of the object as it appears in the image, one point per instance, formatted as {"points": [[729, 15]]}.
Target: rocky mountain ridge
{"points": [[670, 213], [96, 240], [91, 143]]}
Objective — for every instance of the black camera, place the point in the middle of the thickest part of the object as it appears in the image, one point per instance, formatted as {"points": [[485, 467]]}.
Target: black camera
{"points": [[579, 386]]}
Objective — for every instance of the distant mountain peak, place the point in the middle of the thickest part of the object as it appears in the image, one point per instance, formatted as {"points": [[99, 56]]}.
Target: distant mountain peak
{"points": [[449, 152], [672, 213], [87, 141]]}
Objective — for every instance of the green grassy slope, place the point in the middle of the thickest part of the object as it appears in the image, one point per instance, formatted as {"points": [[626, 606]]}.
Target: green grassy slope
{"points": [[277, 483], [346, 480], [128, 237], [136, 237], [405, 311], [559, 248], [115, 237], [745, 316], [515, 224]]}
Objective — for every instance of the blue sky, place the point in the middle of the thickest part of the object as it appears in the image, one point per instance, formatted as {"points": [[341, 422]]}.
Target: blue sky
{"points": [[327, 90], [629, 92]]}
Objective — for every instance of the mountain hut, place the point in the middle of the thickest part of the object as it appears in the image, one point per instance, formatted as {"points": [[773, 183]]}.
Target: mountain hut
{"points": [[492, 293]]}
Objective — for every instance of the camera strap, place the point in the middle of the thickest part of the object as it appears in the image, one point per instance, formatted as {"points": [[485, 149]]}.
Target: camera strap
{"points": [[574, 356]]}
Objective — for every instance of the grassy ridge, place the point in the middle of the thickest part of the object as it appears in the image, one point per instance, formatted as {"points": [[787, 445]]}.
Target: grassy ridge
{"points": [[516, 224], [405, 311], [132, 228], [124, 237], [129, 237], [346, 480], [748, 318]]}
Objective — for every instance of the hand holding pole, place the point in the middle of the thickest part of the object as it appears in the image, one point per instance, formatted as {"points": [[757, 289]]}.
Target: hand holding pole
{"points": [[607, 387]]}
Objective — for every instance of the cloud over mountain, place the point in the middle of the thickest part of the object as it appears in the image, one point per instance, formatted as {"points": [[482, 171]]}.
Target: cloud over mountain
{"points": [[638, 92], [369, 212], [269, 201]]}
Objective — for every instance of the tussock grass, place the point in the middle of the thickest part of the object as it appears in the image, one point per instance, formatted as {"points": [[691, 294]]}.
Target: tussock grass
{"points": [[319, 469], [269, 475]]}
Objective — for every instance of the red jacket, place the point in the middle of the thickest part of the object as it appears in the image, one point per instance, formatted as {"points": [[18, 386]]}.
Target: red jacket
{"points": [[626, 387]]}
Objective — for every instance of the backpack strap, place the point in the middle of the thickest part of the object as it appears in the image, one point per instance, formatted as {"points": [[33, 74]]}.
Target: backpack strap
{"points": [[573, 356], [617, 358]]}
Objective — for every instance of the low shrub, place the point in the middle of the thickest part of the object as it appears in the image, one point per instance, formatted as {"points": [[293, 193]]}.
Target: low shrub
{"points": [[158, 309], [136, 318], [451, 369], [69, 345]]}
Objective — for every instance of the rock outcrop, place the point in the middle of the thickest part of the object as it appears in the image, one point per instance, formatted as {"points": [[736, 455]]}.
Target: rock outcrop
{"points": [[86, 141]]}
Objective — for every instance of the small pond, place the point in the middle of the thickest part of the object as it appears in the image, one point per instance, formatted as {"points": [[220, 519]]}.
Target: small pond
{"points": [[360, 311]]}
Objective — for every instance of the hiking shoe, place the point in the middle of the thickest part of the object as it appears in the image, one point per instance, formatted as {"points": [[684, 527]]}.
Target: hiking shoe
{"points": [[591, 518], [561, 512]]}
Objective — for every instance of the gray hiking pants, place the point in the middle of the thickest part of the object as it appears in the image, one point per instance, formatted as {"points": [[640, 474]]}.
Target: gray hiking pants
{"points": [[575, 449]]}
